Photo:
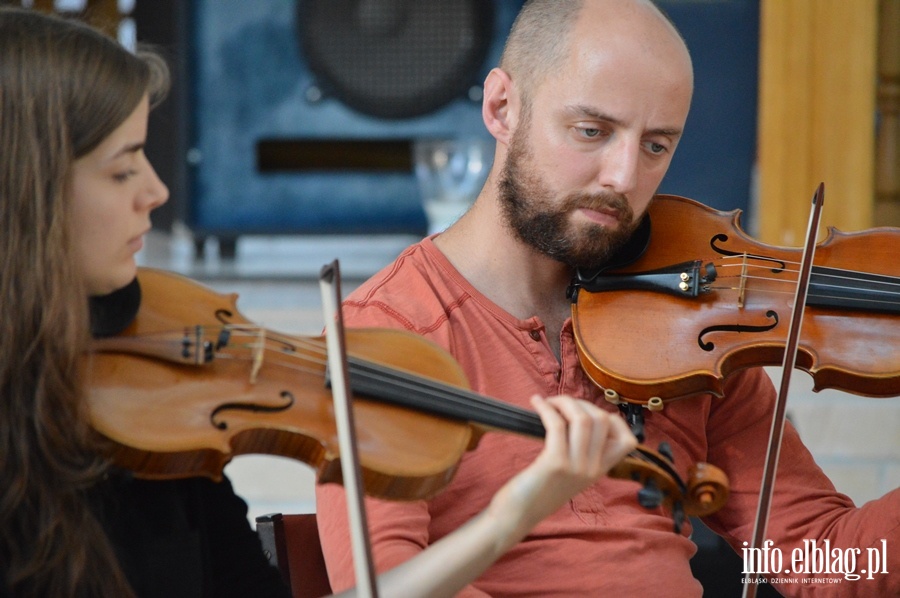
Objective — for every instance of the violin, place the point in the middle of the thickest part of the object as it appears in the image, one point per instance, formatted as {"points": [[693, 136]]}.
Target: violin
{"points": [[191, 382], [709, 300]]}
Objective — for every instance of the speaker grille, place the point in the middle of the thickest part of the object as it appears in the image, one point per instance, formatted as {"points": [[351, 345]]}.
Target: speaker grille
{"points": [[395, 58]]}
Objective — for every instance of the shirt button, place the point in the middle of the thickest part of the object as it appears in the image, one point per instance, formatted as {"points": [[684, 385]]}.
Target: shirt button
{"points": [[535, 334]]}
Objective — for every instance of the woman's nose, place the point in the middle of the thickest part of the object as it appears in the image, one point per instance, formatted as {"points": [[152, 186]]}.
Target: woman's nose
{"points": [[156, 192]]}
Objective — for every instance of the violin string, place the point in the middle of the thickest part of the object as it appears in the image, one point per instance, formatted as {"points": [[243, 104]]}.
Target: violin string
{"points": [[863, 304], [819, 277], [284, 345], [830, 272], [414, 383], [816, 295], [739, 259], [890, 288], [890, 295], [483, 409], [479, 406]]}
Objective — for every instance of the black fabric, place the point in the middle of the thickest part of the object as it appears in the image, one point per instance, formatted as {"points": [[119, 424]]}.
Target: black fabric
{"points": [[186, 538], [111, 314]]}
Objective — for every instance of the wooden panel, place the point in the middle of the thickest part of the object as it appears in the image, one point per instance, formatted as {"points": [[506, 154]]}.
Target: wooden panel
{"points": [[102, 14], [887, 152], [816, 114]]}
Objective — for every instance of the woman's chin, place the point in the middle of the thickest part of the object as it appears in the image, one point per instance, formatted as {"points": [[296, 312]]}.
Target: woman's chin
{"points": [[99, 286]]}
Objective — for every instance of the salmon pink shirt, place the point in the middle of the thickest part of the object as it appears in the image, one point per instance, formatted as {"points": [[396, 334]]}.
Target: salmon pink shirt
{"points": [[602, 542]]}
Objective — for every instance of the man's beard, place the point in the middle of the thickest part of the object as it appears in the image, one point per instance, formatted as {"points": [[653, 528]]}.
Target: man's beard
{"points": [[543, 222]]}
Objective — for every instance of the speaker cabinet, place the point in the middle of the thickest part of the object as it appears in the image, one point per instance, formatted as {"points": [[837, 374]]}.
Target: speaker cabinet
{"points": [[305, 113]]}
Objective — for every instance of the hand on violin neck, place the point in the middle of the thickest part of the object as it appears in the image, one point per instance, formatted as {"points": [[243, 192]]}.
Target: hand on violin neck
{"points": [[583, 442]]}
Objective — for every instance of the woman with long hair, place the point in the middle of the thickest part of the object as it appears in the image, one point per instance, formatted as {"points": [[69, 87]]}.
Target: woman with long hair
{"points": [[76, 193]]}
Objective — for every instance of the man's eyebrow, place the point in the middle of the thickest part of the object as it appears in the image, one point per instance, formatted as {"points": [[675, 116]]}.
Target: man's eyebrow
{"points": [[582, 111]]}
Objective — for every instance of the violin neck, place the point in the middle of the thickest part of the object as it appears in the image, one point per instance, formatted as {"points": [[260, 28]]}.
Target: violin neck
{"points": [[861, 291], [430, 396]]}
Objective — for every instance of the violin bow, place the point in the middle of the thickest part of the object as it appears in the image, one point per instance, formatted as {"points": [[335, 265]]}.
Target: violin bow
{"points": [[787, 366], [330, 286]]}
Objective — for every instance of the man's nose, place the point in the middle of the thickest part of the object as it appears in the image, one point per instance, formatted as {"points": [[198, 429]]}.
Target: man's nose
{"points": [[619, 166]]}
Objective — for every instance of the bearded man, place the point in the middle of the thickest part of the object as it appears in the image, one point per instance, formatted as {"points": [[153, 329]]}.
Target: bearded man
{"points": [[587, 108]]}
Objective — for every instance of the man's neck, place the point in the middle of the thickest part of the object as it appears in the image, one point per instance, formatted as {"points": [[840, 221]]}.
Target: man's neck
{"points": [[514, 276]]}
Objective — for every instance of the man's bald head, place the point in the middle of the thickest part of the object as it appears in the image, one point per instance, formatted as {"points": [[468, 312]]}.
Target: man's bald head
{"points": [[544, 32]]}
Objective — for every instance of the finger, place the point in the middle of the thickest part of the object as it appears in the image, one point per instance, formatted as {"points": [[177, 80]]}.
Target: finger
{"points": [[610, 440], [586, 432], [600, 439], [619, 441], [600, 456], [555, 441]]}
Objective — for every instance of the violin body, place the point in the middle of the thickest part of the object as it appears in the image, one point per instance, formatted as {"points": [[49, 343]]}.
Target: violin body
{"points": [[176, 419], [659, 343]]}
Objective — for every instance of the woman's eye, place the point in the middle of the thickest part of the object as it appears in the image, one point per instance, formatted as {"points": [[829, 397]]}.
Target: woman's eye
{"points": [[121, 177]]}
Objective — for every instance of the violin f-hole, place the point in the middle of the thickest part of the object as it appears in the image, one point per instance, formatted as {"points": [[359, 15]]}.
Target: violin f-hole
{"points": [[724, 238], [709, 346], [251, 407]]}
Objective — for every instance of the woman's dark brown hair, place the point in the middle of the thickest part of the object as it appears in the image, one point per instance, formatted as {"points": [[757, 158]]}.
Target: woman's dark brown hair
{"points": [[64, 87]]}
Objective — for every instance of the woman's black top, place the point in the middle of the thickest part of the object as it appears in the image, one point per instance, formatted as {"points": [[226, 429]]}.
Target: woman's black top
{"points": [[186, 538]]}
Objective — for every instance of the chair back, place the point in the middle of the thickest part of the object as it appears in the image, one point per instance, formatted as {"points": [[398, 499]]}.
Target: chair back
{"points": [[291, 543]]}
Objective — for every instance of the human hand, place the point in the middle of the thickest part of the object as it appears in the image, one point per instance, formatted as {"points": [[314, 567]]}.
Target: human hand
{"points": [[583, 442]]}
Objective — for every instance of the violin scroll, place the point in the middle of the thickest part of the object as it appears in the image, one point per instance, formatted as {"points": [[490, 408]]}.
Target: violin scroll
{"points": [[704, 492]]}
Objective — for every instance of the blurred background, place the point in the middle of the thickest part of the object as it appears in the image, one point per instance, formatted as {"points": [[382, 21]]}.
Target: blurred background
{"points": [[300, 131]]}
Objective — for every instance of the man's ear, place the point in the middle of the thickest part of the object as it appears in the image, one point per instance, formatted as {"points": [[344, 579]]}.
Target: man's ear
{"points": [[500, 106]]}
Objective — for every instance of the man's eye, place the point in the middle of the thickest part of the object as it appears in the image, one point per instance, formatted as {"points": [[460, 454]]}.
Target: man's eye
{"points": [[656, 148]]}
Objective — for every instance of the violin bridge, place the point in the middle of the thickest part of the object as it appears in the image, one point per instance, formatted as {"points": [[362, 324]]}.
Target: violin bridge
{"points": [[743, 287], [258, 351]]}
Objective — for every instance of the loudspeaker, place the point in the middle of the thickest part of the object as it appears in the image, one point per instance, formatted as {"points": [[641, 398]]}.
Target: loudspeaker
{"points": [[305, 113]]}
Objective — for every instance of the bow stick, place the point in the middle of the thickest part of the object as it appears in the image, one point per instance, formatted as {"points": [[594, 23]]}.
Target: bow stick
{"points": [[790, 360], [330, 285]]}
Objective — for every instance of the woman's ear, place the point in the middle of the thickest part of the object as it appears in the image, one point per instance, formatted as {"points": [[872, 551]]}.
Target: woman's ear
{"points": [[499, 109]]}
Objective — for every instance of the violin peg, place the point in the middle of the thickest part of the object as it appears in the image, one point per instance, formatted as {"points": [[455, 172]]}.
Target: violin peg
{"points": [[650, 496], [666, 451], [655, 404], [633, 414], [611, 396], [678, 516]]}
